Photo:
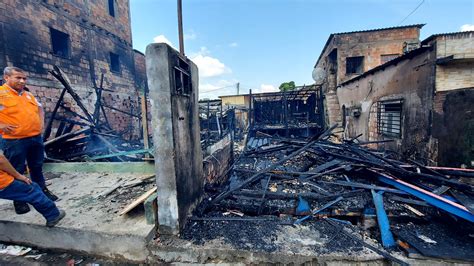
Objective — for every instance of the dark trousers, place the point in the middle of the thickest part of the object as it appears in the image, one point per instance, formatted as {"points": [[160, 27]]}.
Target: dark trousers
{"points": [[32, 194], [29, 150]]}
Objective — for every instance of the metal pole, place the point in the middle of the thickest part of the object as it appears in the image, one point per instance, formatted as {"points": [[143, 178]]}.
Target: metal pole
{"points": [[285, 113], [208, 122], [250, 110], [180, 28]]}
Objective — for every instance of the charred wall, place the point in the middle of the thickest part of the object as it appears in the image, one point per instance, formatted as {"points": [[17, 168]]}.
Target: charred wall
{"points": [[453, 127], [92, 34], [410, 80]]}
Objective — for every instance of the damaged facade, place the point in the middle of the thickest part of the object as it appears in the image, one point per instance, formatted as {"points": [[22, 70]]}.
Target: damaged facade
{"points": [[349, 54], [87, 40], [416, 99]]}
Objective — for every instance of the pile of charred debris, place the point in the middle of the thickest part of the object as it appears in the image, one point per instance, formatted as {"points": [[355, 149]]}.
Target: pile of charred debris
{"points": [[348, 195], [73, 132], [214, 122]]}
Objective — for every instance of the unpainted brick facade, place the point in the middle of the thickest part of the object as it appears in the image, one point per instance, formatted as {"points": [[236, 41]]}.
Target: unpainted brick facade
{"points": [[374, 46], [92, 32]]}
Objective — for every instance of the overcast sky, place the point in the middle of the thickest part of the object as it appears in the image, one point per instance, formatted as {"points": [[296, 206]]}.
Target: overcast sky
{"points": [[262, 43]]}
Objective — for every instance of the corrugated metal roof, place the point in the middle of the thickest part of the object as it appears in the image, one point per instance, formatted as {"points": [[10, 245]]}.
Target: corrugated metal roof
{"points": [[445, 34], [364, 31], [380, 29]]}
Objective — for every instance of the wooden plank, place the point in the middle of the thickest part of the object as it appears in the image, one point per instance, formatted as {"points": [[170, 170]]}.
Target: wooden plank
{"points": [[67, 136], [136, 202]]}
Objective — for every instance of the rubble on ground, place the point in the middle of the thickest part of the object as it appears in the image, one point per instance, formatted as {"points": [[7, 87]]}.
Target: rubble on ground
{"points": [[343, 194]]}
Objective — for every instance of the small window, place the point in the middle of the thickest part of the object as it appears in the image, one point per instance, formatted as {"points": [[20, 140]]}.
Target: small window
{"points": [[111, 8], [389, 118], [114, 62], [355, 65], [60, 43], [182, 77], [388, 57]]}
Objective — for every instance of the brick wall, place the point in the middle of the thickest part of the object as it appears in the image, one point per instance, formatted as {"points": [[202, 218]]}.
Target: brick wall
{"points": [[452, 44], [371, 45], [454, 76], [93, 34], [458, 73]]}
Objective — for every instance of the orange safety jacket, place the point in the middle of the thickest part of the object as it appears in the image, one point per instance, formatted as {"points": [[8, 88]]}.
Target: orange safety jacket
{"points": [[21, 110], [5, 178]]}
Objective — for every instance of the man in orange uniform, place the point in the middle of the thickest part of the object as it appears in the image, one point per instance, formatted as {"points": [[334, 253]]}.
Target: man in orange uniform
{"points": [[14, 186], [21, 125]]}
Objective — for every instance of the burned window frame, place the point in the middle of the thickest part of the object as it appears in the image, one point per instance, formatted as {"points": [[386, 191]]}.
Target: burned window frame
{"points": [[390, 118], [62, 39], [350, 63], [181, 76], [111, 8], [114, 65]]}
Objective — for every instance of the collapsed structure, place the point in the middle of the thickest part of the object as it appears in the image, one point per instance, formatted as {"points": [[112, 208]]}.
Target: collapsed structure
{"points": [[91, 43]]}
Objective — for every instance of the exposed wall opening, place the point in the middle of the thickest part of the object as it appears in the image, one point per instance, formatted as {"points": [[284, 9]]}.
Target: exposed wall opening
{"points": [[111, 5], [182, 77], [388, 57], [389, 118], [114, 62], [344, 116], [60, 43], [355, 65], [333, 62]]}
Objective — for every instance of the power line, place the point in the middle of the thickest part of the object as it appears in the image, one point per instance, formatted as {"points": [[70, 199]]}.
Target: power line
{"points": [[412, 11], [221, 88]]}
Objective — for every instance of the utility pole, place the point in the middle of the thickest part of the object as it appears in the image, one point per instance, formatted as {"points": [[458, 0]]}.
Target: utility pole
{"points": [[238, 87], [180, 28]]}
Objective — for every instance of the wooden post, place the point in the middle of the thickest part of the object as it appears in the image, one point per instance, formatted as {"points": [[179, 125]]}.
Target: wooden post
{"points": [[144, 116]]}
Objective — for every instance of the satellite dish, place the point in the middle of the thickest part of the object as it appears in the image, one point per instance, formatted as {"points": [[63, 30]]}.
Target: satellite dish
{"points": [[319, 75]]}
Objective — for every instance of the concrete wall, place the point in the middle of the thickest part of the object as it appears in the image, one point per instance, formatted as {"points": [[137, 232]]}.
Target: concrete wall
{"points": [[412, 80], [25, 41], [176, 137]]}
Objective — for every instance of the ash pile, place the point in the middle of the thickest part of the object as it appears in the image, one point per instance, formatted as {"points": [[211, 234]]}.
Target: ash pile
{"points": [[344, 193]]}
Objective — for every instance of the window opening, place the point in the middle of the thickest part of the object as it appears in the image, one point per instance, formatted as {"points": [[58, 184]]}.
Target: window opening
{"points": [[389, 118], [355, 65], [60, 43]]}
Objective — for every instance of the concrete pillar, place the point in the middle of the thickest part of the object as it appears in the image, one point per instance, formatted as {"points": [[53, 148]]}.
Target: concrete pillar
{"points": [[176, 134]]}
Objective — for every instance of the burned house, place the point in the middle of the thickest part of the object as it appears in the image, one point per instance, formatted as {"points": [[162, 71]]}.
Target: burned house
{"points": [[422, 100], [90, 41], [349, 54], [293, 113]]}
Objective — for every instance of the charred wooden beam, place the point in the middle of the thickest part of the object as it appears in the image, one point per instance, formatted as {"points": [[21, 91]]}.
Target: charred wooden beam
{"points": [[62, 78]]}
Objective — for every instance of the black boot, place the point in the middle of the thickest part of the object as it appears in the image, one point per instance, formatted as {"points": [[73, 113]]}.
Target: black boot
{"points": [[50, 195], [21, 207]]}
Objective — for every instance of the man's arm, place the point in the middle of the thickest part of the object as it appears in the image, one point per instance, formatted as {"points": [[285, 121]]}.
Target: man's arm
{"points": [[7, 167]]}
